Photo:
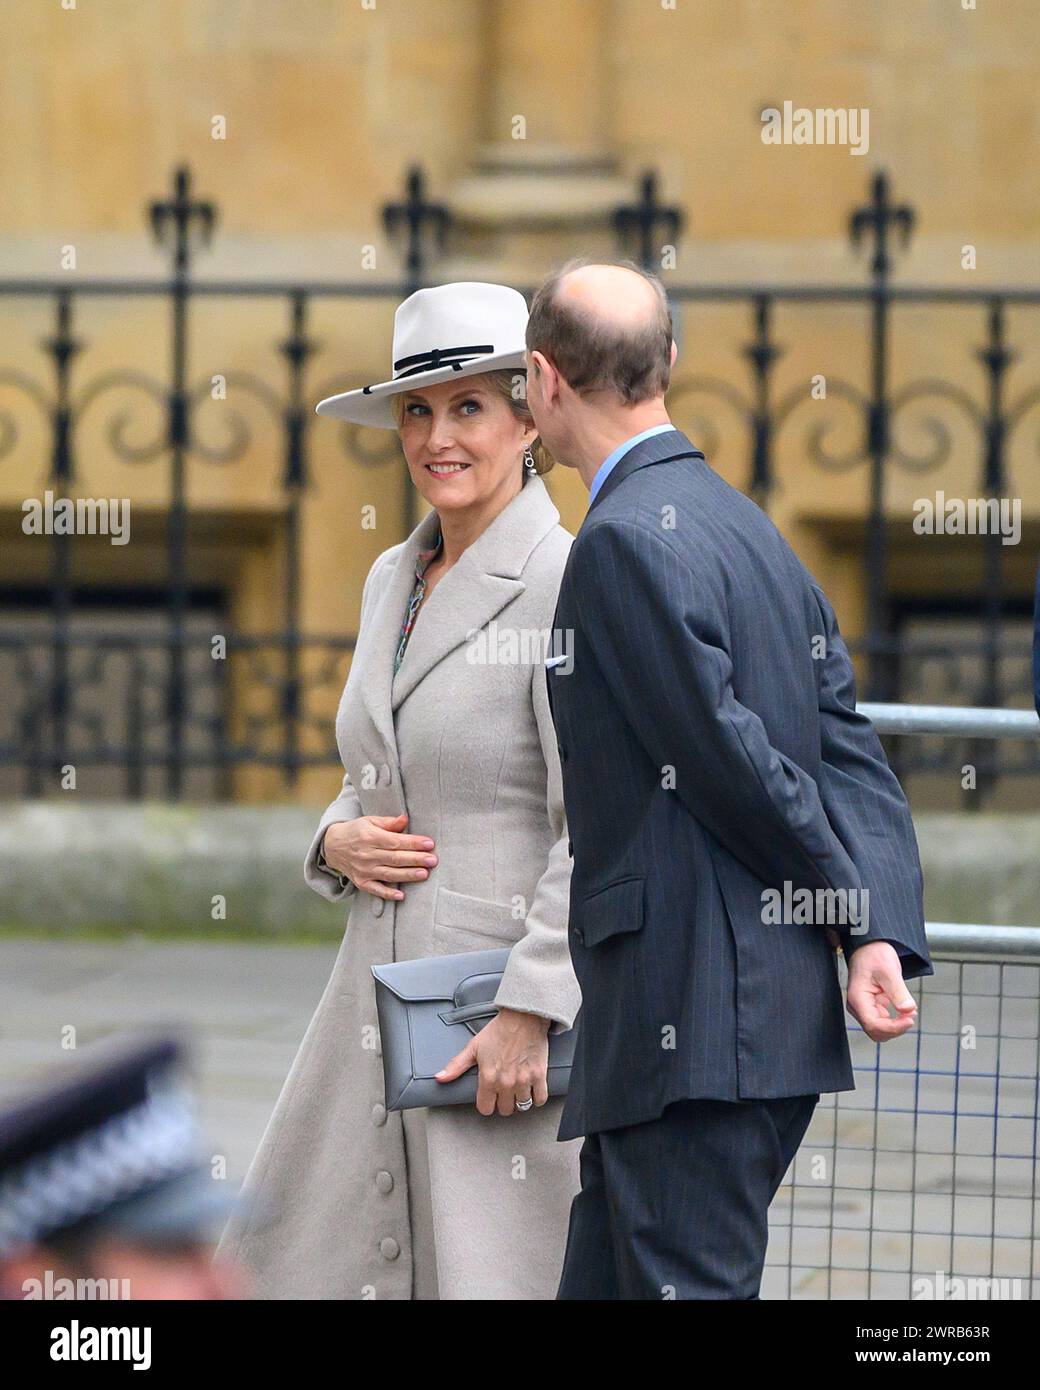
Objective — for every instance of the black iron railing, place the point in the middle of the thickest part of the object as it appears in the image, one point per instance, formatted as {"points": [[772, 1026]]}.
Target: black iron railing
{"points": [[78, 691]]}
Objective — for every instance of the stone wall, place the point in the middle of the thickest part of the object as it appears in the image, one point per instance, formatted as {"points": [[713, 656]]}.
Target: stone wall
{"points": [[157, 869]]}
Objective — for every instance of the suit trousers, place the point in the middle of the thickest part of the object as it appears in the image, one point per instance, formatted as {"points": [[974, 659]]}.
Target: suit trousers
{"points": [[677, 1207]]}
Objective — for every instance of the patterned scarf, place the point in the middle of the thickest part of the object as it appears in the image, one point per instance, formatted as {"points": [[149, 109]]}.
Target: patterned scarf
{"points": [[418, 593]]}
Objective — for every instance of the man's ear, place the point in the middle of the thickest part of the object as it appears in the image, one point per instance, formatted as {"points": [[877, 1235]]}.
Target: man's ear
{"points": [[675, 352], [543, 370]]}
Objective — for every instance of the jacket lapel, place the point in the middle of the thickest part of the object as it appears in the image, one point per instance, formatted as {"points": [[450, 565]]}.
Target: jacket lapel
{"points": [[377, 642], [659, 448], [477, 587]]}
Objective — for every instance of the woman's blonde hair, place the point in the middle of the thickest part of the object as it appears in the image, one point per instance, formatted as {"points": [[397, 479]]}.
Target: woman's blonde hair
{"points": [[511, 384]]}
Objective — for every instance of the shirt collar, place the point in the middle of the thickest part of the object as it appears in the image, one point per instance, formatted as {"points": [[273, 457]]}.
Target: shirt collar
{"points": [[616, 455], [424, 557]]}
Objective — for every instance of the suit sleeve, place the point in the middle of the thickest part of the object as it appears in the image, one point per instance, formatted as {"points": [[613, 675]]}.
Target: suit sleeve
{"points": [[659, 633], [866, 806], [539, 977], [347, 805]]}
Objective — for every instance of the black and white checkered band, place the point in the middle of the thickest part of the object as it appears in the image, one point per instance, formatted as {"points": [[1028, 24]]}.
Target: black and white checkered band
{"points": [[125, 1155]]}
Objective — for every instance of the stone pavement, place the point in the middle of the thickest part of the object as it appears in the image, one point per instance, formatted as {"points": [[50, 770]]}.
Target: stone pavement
{"points": [[245, 1006], [874, 1190]]}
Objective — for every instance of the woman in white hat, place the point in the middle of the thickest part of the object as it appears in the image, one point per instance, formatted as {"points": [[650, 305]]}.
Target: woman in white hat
{"points": [[448, 835]]}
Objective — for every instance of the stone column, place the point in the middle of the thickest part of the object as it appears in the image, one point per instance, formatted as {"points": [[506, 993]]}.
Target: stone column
{"points": [[547, 63]]}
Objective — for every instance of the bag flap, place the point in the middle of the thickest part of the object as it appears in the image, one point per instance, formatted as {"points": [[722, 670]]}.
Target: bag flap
{"points": [[439, 977]]}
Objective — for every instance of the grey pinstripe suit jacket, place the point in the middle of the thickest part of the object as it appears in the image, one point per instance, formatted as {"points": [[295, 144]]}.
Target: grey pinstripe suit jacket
{"points": [[711, 751]]}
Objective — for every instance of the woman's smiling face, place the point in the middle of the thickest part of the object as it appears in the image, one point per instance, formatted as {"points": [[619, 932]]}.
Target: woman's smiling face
{"points": [[462, 441]]}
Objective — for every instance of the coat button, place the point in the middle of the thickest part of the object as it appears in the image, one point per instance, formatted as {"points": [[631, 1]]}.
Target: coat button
{"points": [[377, 907], [384, 1182], [378, 1114], [389, 1248]]}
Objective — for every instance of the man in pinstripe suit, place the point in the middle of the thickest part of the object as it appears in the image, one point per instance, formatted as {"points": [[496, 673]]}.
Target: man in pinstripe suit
{"points": [[716, 774]]}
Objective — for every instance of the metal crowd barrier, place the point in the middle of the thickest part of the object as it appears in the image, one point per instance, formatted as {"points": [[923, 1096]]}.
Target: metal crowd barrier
{"points": [[922, 1184], [943, 719]]}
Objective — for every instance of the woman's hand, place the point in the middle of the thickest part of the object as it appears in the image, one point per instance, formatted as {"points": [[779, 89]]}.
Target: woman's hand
{"points": [[374, 853], [512, 1052]]}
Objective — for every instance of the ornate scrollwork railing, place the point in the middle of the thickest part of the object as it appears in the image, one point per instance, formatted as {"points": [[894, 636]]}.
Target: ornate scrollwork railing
{"points": [[77, 692]]}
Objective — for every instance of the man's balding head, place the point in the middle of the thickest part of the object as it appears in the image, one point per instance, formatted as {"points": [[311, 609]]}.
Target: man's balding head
{"points": [[604, 327]]}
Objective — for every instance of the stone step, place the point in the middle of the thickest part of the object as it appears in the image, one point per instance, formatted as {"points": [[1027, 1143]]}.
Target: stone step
{"points": [[516, 200], [541, 158]]}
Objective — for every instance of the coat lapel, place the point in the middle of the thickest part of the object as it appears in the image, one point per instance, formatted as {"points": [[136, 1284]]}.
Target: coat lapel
{"points": [[377, 642], [475, 590], [478, 586]]}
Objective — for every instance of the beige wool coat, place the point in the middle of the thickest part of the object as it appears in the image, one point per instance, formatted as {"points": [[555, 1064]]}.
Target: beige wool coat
{"points": [[441, 1202]]}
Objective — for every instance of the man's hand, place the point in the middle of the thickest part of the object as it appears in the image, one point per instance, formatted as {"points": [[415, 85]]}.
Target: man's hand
{"points": [[876, 984], [512, 1052]]}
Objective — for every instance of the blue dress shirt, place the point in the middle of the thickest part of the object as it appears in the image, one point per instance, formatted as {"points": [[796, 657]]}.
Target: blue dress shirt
{"points": [[617, 454]]}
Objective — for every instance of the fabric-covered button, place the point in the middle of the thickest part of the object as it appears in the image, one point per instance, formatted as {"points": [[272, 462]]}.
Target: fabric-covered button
{"points": [[377, 907], [385, 1181], [389, 1248], [379, 1114]]}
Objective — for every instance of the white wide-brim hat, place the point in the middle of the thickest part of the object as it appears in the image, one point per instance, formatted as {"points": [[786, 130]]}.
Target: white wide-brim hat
{"points": [[441, 333]]}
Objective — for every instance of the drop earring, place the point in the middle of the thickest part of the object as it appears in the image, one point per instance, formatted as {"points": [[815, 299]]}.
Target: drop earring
{"points": [[529, 464]]}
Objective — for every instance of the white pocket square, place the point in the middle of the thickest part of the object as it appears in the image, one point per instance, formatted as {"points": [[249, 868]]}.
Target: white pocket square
{"points": [[551, 661]]}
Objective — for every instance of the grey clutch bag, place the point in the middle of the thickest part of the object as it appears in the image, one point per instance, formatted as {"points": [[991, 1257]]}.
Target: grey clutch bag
{"points": [[428, 1010]]}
